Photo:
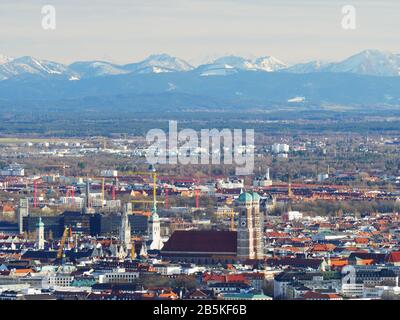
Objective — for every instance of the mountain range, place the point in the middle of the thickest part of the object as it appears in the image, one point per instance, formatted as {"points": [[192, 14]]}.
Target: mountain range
{"points": [[368, 62], [370, 77]]}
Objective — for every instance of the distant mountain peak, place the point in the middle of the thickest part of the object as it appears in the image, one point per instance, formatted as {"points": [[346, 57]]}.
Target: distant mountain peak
{"points": [[89, 69], [269, 64], [232, 64], [159, 63], [369, 62]]}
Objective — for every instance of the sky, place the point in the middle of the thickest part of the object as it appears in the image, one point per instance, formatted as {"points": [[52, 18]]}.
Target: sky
{"points": [[123, 31]]}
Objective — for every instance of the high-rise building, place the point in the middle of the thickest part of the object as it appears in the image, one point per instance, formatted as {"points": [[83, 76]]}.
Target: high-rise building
{"points": [[23, 211], [250, 244], [40, 234]]}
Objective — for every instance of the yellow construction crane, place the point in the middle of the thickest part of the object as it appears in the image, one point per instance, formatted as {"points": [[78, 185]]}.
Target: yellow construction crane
{"points": [[102, 192], [153, 174]]}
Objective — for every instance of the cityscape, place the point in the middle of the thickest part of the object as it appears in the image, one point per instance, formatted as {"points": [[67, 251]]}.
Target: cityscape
{"points": [[74, 227], [200, 158]]}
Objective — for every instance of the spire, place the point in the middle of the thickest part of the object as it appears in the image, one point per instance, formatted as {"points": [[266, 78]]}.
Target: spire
{"points": [[154, 209], [267, 174], [125, 231], [40, 234]]}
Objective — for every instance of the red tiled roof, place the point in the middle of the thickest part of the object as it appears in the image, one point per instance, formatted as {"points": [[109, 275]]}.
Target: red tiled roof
{"points": [[393, 257], [236, 278], [295, 262], [323, 247], [202, 241], [320, 296], [361, 240], [277, 234], [338, 262]]}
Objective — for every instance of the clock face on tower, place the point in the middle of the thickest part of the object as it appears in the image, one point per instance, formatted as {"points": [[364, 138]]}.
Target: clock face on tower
{"points": [[243, 223]]}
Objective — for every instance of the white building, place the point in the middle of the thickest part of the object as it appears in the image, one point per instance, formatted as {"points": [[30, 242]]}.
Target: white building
{"points": [[14, 170], [167, 269], [77, 202], [322, 177], [109, 173], [280, 148], [353, 289], [60, 280], [118, 276], [230, 183], [294, 215]]}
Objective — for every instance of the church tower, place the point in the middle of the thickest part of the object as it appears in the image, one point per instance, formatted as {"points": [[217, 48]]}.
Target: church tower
{"points": [[245, 228], [258, 227], [125, 231], [40, 234], [23, 211], [154, 230], [249, 232]]}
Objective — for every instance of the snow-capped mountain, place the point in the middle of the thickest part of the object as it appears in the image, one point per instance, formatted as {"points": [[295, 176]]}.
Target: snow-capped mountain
{"points": [[224, 66], [31, 66], [232, 64], [90, 69], [369, 62], [269, 64], [158, 63]]}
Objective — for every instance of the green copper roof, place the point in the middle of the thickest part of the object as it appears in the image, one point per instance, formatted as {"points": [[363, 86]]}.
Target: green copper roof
{"points": [[40, 223], [245, 197], [256, 196]]}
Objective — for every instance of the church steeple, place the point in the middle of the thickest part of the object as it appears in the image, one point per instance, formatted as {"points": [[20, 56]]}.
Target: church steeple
{"points": [[125, 231], [154, 229], [40, 234]]}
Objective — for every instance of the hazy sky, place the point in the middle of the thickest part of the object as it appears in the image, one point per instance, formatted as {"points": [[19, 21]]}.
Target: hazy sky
{"points": [[128, 30]]}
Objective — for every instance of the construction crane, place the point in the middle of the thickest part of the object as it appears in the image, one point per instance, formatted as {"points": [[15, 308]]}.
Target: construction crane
{"points": [[153, 174], [35, 193], [62, 243], [166, 198], [102, 192]]}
